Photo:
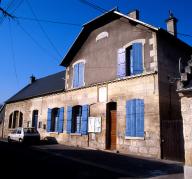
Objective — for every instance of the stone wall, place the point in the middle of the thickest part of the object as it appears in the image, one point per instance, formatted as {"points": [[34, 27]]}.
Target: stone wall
{"points": [[141, 86]]}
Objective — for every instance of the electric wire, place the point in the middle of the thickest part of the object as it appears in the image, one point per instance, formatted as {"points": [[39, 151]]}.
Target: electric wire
{"points": [[35, 41], [43, 30], [13, 54]]}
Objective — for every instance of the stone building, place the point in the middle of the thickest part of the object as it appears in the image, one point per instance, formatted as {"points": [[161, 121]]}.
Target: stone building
{"points": [[115, 93], [185, 92]]}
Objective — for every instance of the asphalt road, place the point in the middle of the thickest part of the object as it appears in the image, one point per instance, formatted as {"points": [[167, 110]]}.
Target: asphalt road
{"points": [[59, 161]]}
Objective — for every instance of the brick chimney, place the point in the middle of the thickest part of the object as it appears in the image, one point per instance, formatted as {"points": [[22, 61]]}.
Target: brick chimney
{"points": [[134, 14], [172, 24], [32, 79]]}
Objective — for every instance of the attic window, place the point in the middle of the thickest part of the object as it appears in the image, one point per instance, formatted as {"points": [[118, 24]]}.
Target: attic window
{"points": [[102, 35]]}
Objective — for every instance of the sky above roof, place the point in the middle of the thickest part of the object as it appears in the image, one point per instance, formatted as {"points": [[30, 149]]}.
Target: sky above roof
{"points": [[34, 47]]}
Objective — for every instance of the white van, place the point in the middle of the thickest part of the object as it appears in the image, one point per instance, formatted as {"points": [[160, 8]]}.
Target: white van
{"points": [[21, 135]]}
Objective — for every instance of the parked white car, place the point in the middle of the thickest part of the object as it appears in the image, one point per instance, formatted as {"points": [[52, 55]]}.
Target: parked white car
{"points": [[21, 135]]}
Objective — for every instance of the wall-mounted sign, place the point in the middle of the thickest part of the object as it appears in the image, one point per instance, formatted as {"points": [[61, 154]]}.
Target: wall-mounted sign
{"points": [[103, 94], [94, 124]]}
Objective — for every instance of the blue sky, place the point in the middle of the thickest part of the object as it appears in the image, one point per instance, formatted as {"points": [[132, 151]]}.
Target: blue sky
{"points": [[22, 56]]}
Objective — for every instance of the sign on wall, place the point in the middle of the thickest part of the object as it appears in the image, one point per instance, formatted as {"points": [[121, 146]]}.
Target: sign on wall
{"points": [[102, 94], [94, 124]]}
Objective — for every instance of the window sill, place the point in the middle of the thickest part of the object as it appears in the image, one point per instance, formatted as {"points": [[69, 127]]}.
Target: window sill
{"points": [[75, 134], [53, 132], [134, 138]]}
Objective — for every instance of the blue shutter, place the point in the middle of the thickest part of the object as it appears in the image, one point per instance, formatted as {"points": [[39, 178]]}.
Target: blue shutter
{"points": [[137, 58], [78, 124], [84, 122], [121, 63], [131, 62], [69, 119], [139, 117], [81, 74], [76, 76], [49, 120], [130, 118], [61, 120]]}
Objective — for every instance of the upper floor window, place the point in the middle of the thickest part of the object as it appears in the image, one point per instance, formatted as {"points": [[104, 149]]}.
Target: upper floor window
{"points": [[130, 60], [78, 74]]}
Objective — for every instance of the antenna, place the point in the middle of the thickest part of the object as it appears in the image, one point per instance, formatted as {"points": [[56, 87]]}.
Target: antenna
{"points": [[117, 5]]}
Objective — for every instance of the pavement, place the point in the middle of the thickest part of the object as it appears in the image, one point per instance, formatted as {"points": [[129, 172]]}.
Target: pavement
{"points": [[73, 162]]}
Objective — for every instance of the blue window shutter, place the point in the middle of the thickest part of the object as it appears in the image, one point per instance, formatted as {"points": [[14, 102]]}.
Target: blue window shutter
{"points": [[78, 124], [69, 119], [76, 76], [137, 58], [81, 74], [49, 120], [139, 117], [84, 122], [131, 62], [130, 118], [121, 63], [60, 120]]}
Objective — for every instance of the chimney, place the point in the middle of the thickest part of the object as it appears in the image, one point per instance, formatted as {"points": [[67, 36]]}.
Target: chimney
{"points": [[33, 79], [172, 24], [134, 14]]}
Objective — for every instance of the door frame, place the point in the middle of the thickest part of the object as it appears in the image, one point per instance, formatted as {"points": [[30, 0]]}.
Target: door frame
{"points": [[111, 106]]}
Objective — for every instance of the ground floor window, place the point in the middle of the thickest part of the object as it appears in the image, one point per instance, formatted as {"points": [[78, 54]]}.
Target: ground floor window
{"points": [[55, 120], [35, 119], [15, 119], [77, 119], [135, 118]]}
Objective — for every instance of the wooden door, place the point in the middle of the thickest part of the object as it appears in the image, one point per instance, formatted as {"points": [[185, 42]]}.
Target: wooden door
{"points": [[113, 129], [172, 144]]}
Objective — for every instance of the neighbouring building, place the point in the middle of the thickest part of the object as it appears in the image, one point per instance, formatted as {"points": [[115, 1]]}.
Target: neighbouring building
{"points": [[185, 92], [2, 115], [115, 93]]}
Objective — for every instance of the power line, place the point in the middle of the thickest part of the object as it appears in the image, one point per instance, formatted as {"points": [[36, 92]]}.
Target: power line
{"points": [[95, 6], [49, 21], [34, 40], [104, 11], [13, 54], [43, 30]]}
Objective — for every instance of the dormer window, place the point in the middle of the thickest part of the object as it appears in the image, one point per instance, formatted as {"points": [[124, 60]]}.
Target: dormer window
{"points": [[78, 74], [130, 60]]}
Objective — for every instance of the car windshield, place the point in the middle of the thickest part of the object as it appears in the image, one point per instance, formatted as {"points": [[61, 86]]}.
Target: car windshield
{"points": [[30, 131]]}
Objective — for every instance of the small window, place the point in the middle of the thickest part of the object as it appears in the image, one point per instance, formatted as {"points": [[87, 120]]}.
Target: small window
{"points": [[78, 75], [40, 125], [44, 126], [28, 123]]}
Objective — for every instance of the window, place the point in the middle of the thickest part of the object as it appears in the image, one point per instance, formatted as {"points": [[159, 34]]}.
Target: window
{"points": [[77, 119], [40, 125], [130, 60], [55, 120], [15, 119], [35, 119], [135, 118], [78, 75]]}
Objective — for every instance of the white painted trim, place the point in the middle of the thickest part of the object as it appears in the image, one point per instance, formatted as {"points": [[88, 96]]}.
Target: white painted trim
{"points": [[79, 61], [138, 21], [102, 35], [134, 138]]}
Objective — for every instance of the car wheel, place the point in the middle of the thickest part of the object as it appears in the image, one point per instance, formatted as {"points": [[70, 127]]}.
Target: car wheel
{"points": [[20, 140]]}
